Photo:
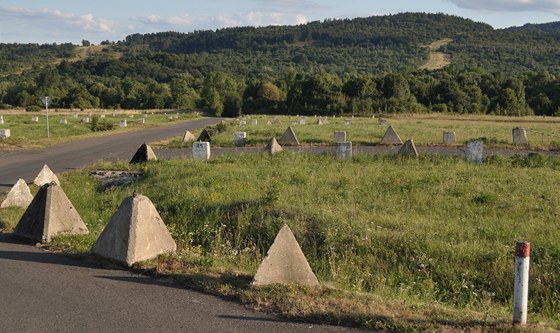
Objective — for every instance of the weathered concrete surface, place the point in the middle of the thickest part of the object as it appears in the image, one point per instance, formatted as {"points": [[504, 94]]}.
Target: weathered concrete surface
{"points": [[204, 136], [289, 138], [339, 136], [391, 137], [49, 214], [343, 150], [285, 263], [408, 149], [474, 151], [19, 196], [519, 137], [135, 232], [449, 138], [201, 150], [272, 147], [239, 138], [188, 137], [143, 155], [45, 176]]}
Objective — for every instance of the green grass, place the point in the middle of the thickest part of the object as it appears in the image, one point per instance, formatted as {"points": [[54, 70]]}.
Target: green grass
{"points": [[430, 240], [425, 129], [25, 133]]}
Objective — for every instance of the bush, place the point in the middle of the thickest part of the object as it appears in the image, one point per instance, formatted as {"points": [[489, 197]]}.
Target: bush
{"points": [[97, 125], [33, 108]]}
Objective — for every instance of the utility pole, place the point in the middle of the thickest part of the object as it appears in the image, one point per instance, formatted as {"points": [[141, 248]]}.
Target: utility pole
{"points": [[47, 100]]}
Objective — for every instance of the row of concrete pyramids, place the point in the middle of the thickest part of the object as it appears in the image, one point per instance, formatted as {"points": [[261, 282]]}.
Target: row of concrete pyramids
{"points": [[136, 232]]}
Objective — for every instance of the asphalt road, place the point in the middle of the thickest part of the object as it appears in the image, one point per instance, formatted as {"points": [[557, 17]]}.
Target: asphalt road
{"points": [[47, 292], [70, 155]]}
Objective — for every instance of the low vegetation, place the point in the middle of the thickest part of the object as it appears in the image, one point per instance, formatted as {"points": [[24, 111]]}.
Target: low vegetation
{"points": [[397, 243]]}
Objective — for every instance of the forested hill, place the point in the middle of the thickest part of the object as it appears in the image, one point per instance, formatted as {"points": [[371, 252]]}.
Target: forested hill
{"points": [[362, 66]]}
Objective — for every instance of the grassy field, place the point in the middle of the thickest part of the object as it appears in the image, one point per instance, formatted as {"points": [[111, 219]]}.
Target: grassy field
{"points": [[424, 129], [25, 133], [398, 244]]}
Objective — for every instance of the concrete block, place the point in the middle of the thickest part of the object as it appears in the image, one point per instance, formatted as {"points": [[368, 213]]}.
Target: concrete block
{"points": [[474, 151], [242, 123], [142, 120], [254, 122], [391, 137], [343, 150], [348, 121], [285, 263], [143, 155], [408, 149], [340, 136], [188, 137], [239, 138], [201, 150], [302, 121], [19, 195], [289, 138], [272, 147], [45, 176], [63, 121], [519, 137], [449, 138], [85, 120], [50, 213], [134, 233], [4, 133], [204, 136], [34, 119], [122, 123]]}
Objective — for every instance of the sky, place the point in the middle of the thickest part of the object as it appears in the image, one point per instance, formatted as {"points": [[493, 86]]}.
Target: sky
{"points": [[71, 21]]}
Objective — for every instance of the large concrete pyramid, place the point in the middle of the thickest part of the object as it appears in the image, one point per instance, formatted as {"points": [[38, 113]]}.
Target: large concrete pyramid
{"points": [[272, 147], [408, 149], [45, 176], [289, 138], [49, 214], [19, 196], [204, 136], [285, 263], [135, 232], [143, 155], [391, 137], [188, 137]]}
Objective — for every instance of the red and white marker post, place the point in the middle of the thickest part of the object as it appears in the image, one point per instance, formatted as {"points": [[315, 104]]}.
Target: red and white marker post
{"points": [[521, 287]]}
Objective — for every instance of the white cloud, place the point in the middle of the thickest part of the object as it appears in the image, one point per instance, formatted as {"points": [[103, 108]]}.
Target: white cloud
{"points": [[545, 6], [253, 18], [86, 22]]}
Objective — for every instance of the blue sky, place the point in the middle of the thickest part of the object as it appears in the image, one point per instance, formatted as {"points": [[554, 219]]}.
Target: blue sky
{"points": [[60, 21]]}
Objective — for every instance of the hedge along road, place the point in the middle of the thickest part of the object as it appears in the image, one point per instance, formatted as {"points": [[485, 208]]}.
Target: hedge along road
{"points": [[26, 164]]}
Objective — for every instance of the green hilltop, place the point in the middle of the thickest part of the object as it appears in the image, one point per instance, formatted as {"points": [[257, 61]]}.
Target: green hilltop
{"points": [[360, 66]]}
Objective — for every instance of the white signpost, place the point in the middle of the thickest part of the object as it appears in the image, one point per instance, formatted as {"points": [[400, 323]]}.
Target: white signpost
{"points": [[47, 100]]}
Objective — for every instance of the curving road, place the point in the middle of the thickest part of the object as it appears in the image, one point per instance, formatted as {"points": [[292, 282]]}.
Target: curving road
{"points": [[47, 292], [70, 155]]}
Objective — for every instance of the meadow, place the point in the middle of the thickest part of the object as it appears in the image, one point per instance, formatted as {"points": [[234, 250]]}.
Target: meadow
{"points": [[27, 134], [397, 243]]}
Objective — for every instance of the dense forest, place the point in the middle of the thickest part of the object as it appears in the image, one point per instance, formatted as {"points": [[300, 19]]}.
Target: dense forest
{"points": [[360, 66]]}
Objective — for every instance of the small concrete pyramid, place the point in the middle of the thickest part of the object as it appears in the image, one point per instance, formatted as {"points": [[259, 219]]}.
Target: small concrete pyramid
{"points": [[49, 214], [277, 121], [19, 195], [45, 176], [319, 122], [408, 149], [391, 137], [188, 137], [285, 263], [289, 138], [143, 155], [272, 147], [135, 232], [204, 136]]}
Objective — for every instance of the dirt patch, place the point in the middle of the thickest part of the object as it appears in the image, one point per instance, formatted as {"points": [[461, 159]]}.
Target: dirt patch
{"points": [[437, 60]]}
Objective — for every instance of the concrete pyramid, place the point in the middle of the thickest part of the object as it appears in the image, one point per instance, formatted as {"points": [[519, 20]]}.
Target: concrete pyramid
{"points": [[135, 232], [289, 138], [204, 136], [391, 137], [188, 137], [45, 176], [49, 214], [272, 147], [285, 263], [143, 155], [19, 196], [408, 149]]}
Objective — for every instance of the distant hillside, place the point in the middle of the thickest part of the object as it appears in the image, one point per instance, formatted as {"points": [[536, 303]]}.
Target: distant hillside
{"points": [[377, 64], [552, 27]]}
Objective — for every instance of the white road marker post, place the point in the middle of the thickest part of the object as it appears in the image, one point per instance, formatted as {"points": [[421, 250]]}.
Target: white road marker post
{"points": [[521, 286]]}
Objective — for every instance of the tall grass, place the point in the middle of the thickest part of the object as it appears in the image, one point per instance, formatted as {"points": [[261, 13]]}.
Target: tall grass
{"points": [[432, 229]]}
